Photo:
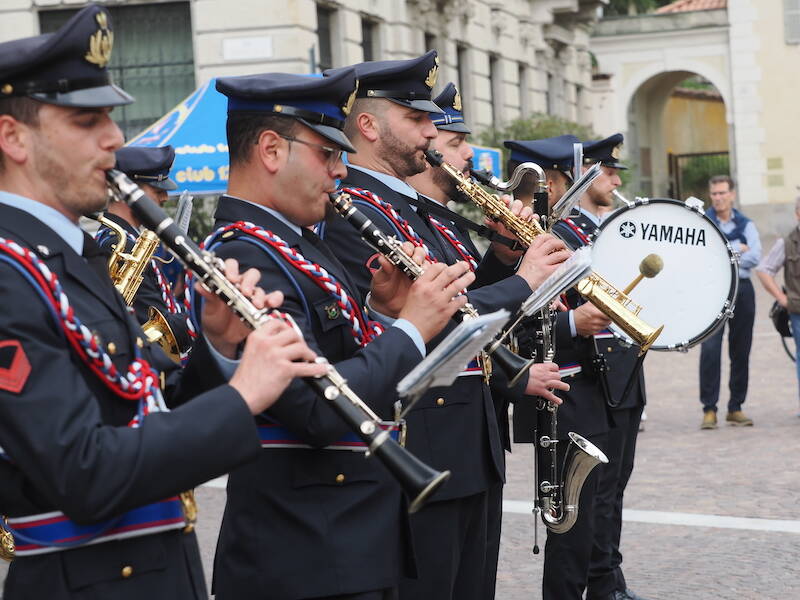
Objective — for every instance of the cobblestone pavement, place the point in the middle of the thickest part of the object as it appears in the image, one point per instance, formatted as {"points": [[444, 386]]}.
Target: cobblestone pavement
{"points": [[729, 472]]}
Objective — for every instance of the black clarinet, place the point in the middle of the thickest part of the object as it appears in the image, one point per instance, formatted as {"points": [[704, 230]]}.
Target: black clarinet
{"points": [[513, 366], [417, 479]]}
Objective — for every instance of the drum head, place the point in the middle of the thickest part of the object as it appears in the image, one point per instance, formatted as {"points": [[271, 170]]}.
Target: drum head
{"points": [[697, 285]]}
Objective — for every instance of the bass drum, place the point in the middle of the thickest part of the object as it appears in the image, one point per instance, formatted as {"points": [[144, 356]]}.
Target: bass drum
{"points": [[694, 293]]}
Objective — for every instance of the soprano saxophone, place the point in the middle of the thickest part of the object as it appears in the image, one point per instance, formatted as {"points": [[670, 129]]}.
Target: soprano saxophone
{"points": [[513, 365], [615, 304]]}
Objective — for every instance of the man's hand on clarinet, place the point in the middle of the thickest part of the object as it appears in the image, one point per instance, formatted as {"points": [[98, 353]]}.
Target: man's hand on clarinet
{"points": [[433, 298], [543, 378]]}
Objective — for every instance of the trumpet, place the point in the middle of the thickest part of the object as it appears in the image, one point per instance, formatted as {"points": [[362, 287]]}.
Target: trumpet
{"points": [[417, 479], [616, 305], [127, 273], [513, 366]]}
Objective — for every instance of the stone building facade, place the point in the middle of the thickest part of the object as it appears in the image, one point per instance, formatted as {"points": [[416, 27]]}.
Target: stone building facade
{"points": [[511, 58]]}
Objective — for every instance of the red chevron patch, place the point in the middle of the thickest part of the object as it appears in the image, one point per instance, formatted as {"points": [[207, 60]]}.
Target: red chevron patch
{"points": [[15, 367]]}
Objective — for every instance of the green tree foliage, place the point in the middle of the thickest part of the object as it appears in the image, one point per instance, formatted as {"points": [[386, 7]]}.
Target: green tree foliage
{"points": [[636, 7], [535, 127]]}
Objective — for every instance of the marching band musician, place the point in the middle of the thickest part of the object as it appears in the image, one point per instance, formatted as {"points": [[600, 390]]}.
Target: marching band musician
{"points": [[606, 581], [584, 409], [587, 557], [436, 185], [455, 429], [92, 462], [149, 168], [311, 518]]}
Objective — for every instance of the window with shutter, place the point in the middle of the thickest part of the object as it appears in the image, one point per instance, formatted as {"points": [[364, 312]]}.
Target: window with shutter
{"points": [[153, 58], [791, 21]]}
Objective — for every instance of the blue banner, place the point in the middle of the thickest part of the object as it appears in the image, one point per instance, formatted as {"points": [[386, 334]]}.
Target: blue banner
{"points": [[488, 159], [196, 129]]}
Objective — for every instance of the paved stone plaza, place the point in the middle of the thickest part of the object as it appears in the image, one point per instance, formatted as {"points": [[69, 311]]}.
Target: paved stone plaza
{"points": [[712, 514]]}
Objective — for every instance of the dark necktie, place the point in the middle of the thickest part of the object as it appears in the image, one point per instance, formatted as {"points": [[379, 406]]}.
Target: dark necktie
{"points": [[96, 257]]}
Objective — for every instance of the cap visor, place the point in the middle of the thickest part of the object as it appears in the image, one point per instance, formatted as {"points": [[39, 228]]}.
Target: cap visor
{"points": [[337, 136], [96, 97], [167, 185], [424, 105], [457, 127], [616, 165]]}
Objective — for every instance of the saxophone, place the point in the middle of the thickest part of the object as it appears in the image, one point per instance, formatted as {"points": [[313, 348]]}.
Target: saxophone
{"points": [[127, 274], [615, 304]]}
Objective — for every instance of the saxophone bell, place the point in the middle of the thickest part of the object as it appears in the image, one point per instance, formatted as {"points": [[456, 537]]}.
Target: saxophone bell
{"points": [[560, 500]]}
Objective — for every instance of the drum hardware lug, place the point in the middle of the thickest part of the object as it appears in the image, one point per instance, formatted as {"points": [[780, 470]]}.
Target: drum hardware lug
{"points": [[644, 201]]}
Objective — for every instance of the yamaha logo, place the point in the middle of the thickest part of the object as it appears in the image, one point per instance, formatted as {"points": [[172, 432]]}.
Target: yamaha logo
{"points": [[627, 229], [671, 234]]}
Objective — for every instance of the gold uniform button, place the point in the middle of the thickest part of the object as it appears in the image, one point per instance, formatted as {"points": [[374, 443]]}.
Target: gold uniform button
{"points": [[127, 571], [139, 342], [340, 478], [609, 349], [440, 401], [112, 348]]}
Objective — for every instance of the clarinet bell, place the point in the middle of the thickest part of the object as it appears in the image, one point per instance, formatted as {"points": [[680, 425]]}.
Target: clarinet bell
{"points": [[418, 480]]}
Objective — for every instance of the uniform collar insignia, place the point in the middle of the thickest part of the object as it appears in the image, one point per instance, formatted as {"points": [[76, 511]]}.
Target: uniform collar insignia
{"points": [[332, 311]]}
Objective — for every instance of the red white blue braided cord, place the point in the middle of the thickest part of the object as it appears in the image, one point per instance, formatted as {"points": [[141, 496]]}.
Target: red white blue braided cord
{"points": [[363, 330], [140, 383], [451, 238], [387, 209]]}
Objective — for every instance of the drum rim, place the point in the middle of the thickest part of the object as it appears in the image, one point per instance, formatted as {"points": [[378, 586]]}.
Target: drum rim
{"points": [[730, 301]]}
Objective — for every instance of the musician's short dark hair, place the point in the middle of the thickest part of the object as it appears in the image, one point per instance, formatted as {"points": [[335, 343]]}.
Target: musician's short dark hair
{"points": [[722, 179], [375, 106], [244, 129], [25, 110]]}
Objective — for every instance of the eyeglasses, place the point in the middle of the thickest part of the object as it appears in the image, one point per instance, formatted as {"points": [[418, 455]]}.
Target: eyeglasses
{"points": [[332, 155]]}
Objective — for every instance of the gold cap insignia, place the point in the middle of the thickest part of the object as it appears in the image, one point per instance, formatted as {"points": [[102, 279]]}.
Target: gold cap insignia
{"points": [[457, 101], [615, 152], [100, 42], [348, 106], [430, 80]]}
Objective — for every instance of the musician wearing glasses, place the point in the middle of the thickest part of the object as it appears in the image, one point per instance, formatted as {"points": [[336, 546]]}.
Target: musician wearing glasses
{"points": [[454, 429], [436, 185], [91, 461], [148, 167], [311, 518]]}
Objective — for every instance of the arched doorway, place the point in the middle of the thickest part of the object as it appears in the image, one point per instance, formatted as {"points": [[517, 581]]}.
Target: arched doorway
{"points": [[678, 135]]}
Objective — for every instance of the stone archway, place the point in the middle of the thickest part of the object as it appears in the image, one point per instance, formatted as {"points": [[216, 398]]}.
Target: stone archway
{"points": [[670, 128]]}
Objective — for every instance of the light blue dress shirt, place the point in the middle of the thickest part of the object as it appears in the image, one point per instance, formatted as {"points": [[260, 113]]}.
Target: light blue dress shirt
{"points": [[58, 222], [750, 258]]}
